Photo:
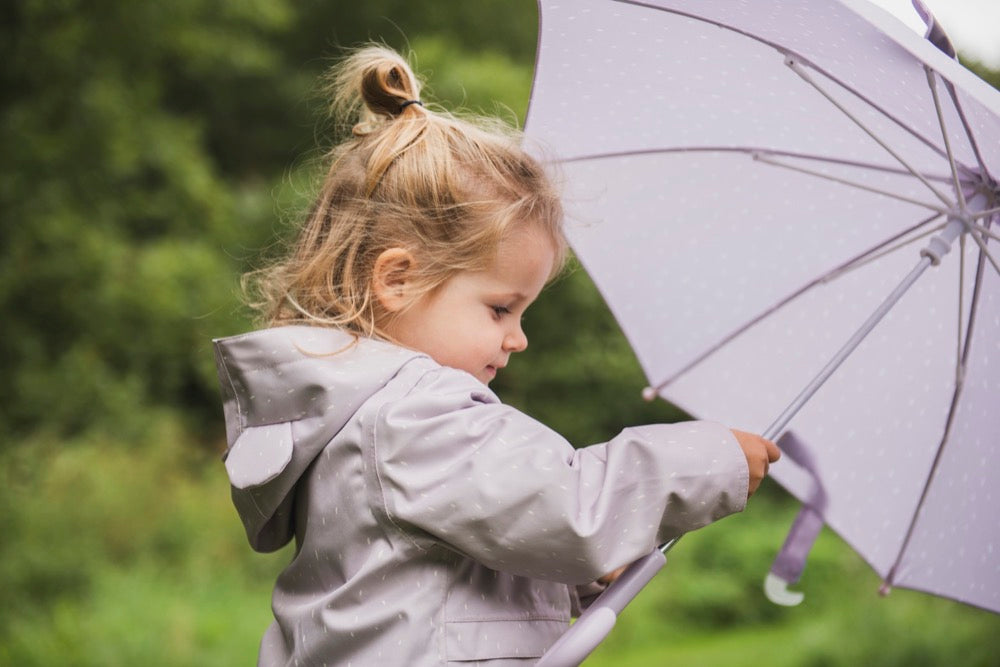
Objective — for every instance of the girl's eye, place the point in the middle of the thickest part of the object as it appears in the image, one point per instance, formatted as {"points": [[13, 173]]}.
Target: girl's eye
{"points": [[499, 311]]}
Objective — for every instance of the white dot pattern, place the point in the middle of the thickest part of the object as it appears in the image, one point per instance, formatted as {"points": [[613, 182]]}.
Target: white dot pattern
{"points": [[656, 116]]}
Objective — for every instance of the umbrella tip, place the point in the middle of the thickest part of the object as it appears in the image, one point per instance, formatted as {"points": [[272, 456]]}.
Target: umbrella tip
{"points": [[648, 394], [776, 590]]}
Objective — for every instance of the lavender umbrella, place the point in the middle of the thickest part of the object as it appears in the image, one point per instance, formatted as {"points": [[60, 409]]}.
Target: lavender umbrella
{"points": [[753, 184]]}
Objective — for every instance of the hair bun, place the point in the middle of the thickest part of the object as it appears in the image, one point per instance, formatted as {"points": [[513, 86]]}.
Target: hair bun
{"points": [[376, 83], [386, 86]]}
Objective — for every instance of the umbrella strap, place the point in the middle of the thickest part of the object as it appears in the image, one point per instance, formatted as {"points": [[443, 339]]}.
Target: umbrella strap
{"points": [[791, 560]]}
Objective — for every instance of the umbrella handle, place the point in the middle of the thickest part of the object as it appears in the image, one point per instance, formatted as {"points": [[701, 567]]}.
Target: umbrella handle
{"points": [[596, 622], [580, 640]]}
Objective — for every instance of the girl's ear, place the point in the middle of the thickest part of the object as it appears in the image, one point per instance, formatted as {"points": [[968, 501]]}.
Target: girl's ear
{"points": [[392, 278]]}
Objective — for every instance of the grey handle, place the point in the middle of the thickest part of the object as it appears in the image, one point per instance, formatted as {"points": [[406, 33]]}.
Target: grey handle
{"points": [[596, 622]]}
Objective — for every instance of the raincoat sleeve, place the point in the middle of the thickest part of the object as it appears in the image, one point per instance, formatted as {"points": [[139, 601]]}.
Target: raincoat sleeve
{"points": [[454, 465]]}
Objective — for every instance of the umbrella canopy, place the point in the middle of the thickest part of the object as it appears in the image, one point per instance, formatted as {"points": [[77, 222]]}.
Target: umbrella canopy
{"points": [[747, 183]]}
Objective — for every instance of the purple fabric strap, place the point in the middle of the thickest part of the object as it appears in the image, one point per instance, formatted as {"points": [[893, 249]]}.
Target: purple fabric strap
{"points": [[935, 33], [791, 560]]}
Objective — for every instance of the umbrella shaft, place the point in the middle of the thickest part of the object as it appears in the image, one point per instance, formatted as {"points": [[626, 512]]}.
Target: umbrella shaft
{"points": [[938, 246]]}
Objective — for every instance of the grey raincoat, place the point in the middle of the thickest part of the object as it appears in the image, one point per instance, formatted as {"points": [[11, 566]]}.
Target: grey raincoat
{"points": [[433, 524]]}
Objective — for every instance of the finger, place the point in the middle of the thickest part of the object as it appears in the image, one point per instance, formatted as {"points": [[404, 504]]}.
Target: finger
{"points": [[773, 453], [612, 576]]}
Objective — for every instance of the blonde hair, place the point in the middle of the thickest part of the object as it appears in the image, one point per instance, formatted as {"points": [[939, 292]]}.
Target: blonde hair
{"points": [[446, 188]]}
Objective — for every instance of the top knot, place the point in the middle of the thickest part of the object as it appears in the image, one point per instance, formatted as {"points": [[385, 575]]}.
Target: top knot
{"points": [[374, 84]]}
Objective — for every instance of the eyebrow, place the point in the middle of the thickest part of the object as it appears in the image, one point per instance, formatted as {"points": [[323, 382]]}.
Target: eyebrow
{"points": [[511, 296]]}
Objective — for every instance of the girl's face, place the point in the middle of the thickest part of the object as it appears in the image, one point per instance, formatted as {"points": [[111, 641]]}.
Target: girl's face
{"points": [[473, 321]]}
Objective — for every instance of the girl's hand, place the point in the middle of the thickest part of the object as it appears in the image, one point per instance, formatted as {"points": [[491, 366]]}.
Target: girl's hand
{"points": [[760, 453]]}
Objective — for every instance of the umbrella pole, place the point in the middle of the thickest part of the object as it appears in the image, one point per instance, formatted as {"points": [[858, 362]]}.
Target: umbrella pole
{"points": [[937, 248], [598, 620]]}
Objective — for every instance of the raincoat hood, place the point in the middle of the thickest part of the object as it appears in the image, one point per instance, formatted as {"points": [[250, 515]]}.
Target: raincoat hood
{"points": [[286, 392]]}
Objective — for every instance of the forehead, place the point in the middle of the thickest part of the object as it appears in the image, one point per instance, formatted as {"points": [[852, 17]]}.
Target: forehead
{"points": [[523, 263], [527, 245]]}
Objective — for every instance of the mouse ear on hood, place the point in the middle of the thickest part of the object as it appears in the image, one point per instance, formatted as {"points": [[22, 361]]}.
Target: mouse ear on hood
{"points": [[259, 454], [260, 469]]}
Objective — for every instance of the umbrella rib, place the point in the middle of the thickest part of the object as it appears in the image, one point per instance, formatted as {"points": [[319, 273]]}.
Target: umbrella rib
{"points": [[853, 263], [949, 421], [789, 54], [749, 150], [982, 249], [984, 214], [932, 84], [790, 61], [849, 163], [959, 356], [950, 87], [761, 158], [960, 370], [836, 273], [986, 231]]}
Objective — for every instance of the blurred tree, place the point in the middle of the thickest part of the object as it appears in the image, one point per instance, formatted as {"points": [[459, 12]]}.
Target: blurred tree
{"points": [[141, 144], [114, 211], [990, 76], [499, 26], [150, 151]]}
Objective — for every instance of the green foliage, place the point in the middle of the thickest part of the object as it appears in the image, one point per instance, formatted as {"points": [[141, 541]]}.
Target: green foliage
{"points": [[116, 217], [990, 76], [126, 552], [487, 82], [494, 26], [151, 153], [141, 145]]}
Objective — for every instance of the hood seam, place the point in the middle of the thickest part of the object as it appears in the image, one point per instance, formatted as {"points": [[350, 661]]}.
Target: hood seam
{"points": [[232, 389]]}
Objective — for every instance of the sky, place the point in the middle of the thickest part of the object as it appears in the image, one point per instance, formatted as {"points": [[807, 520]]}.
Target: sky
{"points": [[972, 25]]}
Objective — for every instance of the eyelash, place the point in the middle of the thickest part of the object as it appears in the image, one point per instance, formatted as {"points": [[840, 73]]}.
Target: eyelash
{"points": [[499, 311]]}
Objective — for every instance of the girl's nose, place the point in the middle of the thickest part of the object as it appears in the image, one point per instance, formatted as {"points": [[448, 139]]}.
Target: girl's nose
{"points": [[515, 341]]}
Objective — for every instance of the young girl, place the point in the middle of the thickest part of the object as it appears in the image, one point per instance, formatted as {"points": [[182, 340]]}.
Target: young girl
{"points": [[434, 524]]}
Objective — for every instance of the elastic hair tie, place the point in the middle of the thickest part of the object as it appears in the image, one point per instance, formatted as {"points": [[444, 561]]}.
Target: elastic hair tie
{"points": [[408, 103]]}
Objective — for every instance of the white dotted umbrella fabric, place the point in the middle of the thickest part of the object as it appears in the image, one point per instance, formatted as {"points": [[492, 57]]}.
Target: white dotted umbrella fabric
{"points": [[710, 185]]}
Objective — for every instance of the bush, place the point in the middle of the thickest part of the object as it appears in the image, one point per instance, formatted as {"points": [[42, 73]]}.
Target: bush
{"points": [[124, 553]]}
